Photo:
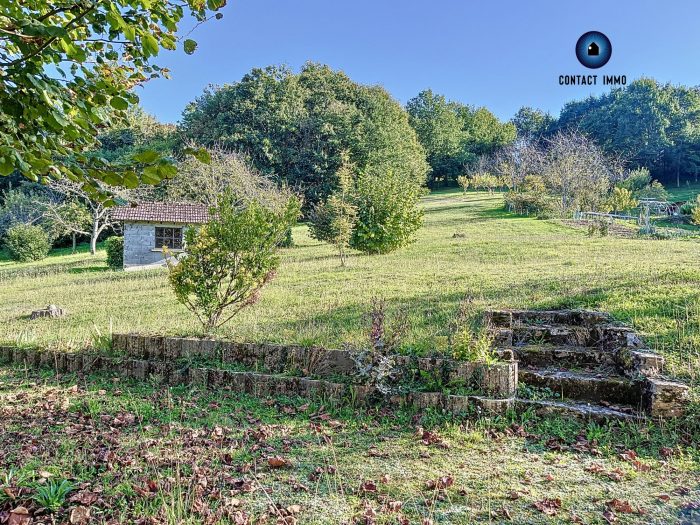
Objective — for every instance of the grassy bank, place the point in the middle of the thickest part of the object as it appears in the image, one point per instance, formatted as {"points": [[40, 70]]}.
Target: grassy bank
{"points": [[468, 246]]}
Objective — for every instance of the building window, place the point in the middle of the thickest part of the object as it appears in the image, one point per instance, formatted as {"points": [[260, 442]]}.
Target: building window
{"points": [[169, 238]]}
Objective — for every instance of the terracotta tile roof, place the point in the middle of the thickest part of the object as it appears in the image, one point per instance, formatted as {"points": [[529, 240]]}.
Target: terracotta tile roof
{"points": [[178, 213]]}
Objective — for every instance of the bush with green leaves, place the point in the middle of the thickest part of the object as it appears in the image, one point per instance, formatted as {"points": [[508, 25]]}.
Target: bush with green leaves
{"points": [[230, 259], [530, 198], [115, 252], [27, 242], [695, 212], [621, 200], [388, 215]]}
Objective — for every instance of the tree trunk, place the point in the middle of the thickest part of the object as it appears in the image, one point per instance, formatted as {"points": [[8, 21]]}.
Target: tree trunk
{"points": [[73, 236], [93, 237]]}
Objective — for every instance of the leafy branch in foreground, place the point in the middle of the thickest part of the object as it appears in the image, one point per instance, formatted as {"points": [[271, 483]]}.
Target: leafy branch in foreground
{"points": [[67, 70], [230, 258]]}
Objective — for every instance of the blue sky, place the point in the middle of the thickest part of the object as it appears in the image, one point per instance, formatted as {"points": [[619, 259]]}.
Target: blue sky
{"points": [[496, 53]]}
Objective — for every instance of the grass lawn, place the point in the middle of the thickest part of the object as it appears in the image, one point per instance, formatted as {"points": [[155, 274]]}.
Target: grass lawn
{"points": [[687, 192], [153, 455], [468, 246]]}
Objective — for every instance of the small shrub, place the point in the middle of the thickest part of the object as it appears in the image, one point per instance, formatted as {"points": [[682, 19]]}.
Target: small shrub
{"points": [[695, 212], [53, 495], [600, 226], [655, 191], [471, 338], [485, 181], [230, 258], [333, 221], [463, 182], [621, 200], [115, 252], [388, 214], [26, 242]]}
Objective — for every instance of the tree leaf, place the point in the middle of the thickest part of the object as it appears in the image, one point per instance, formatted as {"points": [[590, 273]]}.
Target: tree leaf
{"points": [[6, 166], [151, 175], [119, 103], [190, 46], [147, 157], [150, 44], [201, 154]]}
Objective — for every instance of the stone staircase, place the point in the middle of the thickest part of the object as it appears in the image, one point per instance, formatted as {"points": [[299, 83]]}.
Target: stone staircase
{"points": [[583, 363]]}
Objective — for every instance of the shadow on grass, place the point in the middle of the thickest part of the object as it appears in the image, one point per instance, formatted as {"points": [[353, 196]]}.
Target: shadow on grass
{"points": [[89, 269]]}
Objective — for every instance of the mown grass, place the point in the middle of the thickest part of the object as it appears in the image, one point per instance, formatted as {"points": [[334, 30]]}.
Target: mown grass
{"points": [[141, 453], [687, 192], [468, 246]]}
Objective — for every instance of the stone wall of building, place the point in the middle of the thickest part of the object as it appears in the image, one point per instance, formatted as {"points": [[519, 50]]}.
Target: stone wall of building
{"points": [[140, 244]]}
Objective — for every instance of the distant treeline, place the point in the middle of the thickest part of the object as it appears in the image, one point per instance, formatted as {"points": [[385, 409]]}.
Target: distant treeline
{"points": [[645, 124]]}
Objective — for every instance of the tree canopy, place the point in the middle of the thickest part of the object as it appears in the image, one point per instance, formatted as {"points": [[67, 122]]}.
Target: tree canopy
{"points": [[297, 126], [68, 69]]}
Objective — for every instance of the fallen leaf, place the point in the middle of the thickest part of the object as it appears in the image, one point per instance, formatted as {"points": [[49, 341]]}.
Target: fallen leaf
{"points": [[441, 483], [547, 506], [609, 516], [663, 497], [80, 515], [19, 516], [394, 506], [368, 486], [595, 468], [616, 475], [620, 506], [294, 509], [278, 462]]}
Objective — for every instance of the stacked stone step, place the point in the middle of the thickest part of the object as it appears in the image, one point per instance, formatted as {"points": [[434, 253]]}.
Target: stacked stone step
{"points": [[548, 344]]}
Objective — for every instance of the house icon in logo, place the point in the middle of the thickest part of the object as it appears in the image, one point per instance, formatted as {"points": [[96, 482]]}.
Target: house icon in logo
{"points": [[593, 49]]}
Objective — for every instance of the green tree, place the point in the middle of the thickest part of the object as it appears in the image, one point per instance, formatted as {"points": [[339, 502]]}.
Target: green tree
{"points": [[439, 129], [455, 136], [138, 133], [297, 126], [68, 68], [532, 124], [333, 221], [230, 258], [484, 134]]}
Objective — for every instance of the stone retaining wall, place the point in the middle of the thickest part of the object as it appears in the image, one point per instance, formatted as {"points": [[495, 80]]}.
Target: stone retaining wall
{"points": [[498, 380], [253, 383]]}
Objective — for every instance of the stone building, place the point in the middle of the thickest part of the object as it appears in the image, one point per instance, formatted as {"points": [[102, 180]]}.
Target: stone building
{"points": [[151, 226]]}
